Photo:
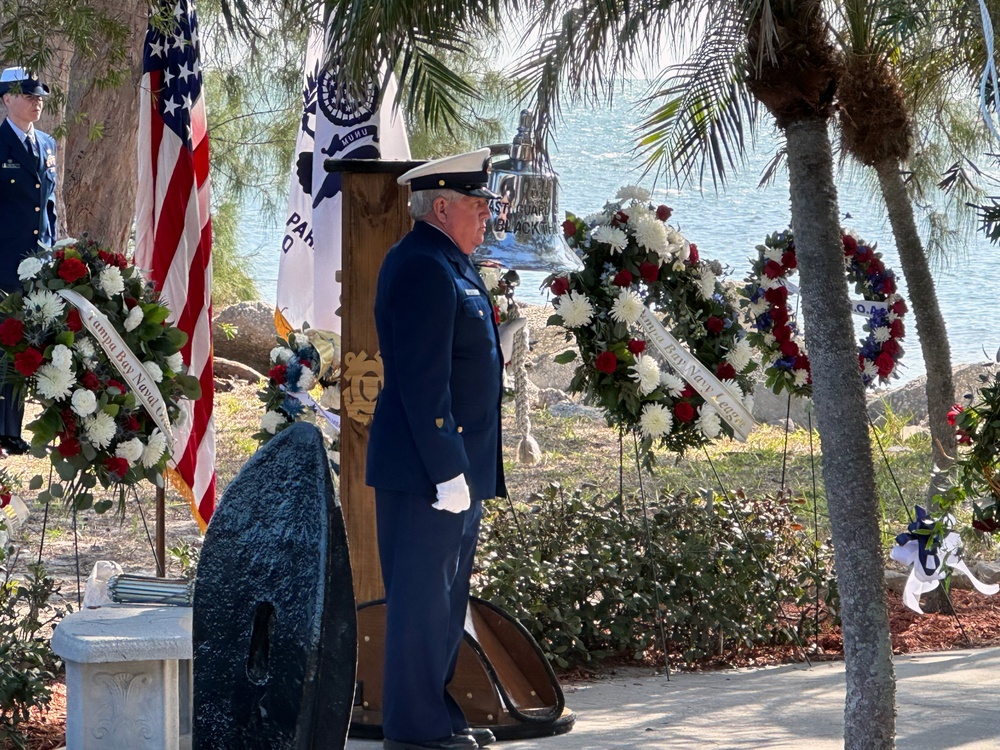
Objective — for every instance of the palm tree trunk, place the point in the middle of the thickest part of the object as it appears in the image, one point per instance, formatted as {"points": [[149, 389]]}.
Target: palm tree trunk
{"points": [[926, 311], [848, 472]]}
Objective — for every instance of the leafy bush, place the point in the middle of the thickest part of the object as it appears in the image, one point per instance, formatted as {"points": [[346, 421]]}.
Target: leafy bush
{"points": [[27, 664], [586, 575]]}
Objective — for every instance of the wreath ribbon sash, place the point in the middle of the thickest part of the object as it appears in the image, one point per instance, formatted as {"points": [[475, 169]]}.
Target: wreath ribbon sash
{"points": [[123, 358], [702, 379], [310, 403], [867, 307]]}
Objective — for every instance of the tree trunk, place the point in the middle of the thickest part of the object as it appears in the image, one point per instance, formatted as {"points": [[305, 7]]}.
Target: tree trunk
{"points": [[926, 312], [100, 149], [848, 472]]}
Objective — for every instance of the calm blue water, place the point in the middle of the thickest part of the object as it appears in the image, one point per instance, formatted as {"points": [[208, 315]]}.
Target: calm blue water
{"points": [[593, 160]]}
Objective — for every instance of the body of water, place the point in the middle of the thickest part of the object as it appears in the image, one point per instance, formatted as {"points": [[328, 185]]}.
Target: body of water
{"points": [[593, 158]]}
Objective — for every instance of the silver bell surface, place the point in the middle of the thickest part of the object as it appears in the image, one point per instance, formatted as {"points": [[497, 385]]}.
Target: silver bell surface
{"points": [[524, 232]]}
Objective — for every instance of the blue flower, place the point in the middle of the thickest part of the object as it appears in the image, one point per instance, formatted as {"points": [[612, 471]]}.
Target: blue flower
{"points": [[292, 407], [292, 374]]}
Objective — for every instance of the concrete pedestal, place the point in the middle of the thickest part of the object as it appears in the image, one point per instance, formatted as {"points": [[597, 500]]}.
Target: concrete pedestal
{"points": [[128, 677]]}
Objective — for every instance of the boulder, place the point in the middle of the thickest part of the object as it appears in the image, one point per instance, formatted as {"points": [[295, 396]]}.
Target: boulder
{"points": [[769, 408], [229, 369], [911, 398], [254, 337]]}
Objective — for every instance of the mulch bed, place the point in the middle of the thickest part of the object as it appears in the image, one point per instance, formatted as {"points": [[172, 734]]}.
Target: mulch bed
{"points": [[977, 625]]}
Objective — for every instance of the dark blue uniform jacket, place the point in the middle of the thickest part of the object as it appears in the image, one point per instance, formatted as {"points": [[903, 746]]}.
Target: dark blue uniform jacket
{"points": [[27, 201], [438, 414]]}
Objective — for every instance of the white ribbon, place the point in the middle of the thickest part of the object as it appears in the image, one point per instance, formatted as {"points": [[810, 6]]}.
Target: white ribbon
{"points": [[867, 307], [919, 582], [123, 359], [709, 387], [309, 402]]}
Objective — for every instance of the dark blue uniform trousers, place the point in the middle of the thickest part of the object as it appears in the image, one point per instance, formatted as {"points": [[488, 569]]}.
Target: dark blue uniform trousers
{"points": [[426, 557]]}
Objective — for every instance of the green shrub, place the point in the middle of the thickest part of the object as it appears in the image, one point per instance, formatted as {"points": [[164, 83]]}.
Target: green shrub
{"points": [[27, 664], [585, 576]]}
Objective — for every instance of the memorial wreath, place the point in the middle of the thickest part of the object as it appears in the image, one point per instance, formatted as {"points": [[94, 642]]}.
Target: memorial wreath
{"points": [[87, 338], [638, 270]]}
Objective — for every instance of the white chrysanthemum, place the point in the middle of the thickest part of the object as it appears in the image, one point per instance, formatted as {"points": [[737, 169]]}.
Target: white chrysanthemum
{"points": [[592, 220], [99, 429], [627, 307], [130, 450], [62, 357], [740, 355], [646, 373], [134, 318], [110, 281], [29, 268], [271, 421], [632, 192], [84, 402], [882, 334], [155, 446], [575, 309], [759, 307], [611, 236], [651, 234], [53, 382], [154, 370], [773, 253], [43, 306], [709, 422], [84, 347], [769, 339], [892, 316], [490, 275], [281, 354], [802, 376], [306, 380], [175, 362], [706, 283], [502, 304], [300, 340], [656, 421], [672, 383]]}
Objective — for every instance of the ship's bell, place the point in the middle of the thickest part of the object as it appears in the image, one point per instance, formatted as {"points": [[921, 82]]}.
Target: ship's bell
{"points": [[524, 233]]}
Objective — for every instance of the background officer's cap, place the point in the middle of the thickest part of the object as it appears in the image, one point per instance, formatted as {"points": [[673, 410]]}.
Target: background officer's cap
{"points": [[465, 173], [27, 84]]}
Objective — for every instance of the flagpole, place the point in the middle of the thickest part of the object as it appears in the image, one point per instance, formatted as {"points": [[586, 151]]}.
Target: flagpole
{"points": [[161, 535]]}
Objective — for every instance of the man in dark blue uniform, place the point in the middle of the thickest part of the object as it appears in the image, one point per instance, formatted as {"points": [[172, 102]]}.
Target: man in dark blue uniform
{"points": [[27, 207], [434, 451]]}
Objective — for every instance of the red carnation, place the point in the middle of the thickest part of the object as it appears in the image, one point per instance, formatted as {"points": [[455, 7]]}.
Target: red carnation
{"points": [[683, 411], [69, 423], [113, 259], [622, 278], [788, 259], [891, 347], [783, 333], [850, 245], [131, 423], [953, 414], [876, 266], [777, 295], [692, 253], [131, 302], [888, 285], [688, 391], [5, 500], [278, 374], [773, 269], [802, 363], [569, 228], [715, 324], [885, 364], [117, 466], [115, 384], [725, 371], [59, 254], [663, 212], [73, 321], [789, 348], [11, 332], [560, 285], [649, 271], [28, 361], [606, 362], [90, 381], [896, 329], [779, 315], [72, 269], [621, 217], [637, 346], [899, 307], [68, 446]]}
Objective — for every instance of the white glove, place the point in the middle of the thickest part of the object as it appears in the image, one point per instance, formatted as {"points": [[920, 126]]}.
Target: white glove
{"points": [[453, 495], [507, 332]]}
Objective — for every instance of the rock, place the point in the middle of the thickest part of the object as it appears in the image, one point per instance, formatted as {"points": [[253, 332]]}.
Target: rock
{"points": [[895, 581], [570, 410], [255, 334], [769, 408], [232, 370], [911, 399], [549, 396], [985, 571]]}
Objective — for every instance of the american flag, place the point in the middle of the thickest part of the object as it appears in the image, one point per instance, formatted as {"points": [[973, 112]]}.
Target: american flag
{"points": [[173, 227]]}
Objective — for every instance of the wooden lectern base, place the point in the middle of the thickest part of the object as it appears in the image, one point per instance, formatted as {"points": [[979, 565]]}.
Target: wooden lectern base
{"points": [[502, 681]]}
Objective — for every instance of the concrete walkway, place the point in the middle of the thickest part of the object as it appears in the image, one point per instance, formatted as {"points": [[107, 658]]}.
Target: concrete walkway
{"points": [[944, 700]]}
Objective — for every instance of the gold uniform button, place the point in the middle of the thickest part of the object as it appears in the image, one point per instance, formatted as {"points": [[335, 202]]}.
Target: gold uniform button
{"points": [[480, 313], [460, 428], [36, 231], [441, 183], [36, 184], [37, 208]]}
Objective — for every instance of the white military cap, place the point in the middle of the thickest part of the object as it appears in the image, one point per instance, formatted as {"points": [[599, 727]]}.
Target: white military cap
{"points": [[468, 174], [27, 84]]}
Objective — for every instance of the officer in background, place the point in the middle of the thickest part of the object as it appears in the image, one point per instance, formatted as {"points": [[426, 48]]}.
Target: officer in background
{"points": [[27, 207], [434, 450]]}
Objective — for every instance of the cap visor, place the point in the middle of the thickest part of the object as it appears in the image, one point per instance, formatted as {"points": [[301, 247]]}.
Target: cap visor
{"points": [[478, 192]]}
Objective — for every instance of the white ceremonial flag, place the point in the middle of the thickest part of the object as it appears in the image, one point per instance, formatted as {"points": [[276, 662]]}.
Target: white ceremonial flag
{"points": [[308, 288]]}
